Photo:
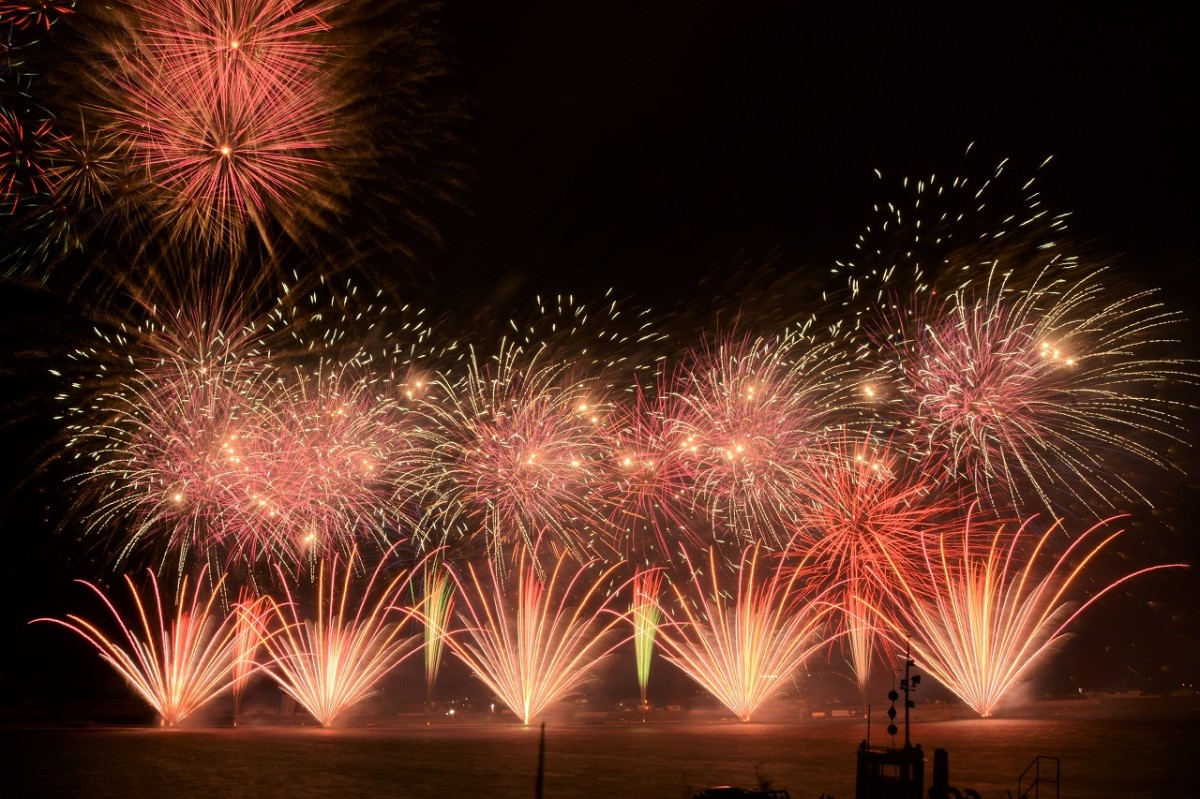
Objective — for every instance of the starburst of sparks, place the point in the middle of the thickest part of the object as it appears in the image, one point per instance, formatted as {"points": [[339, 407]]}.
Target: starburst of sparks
{"points": [[861, 506]]}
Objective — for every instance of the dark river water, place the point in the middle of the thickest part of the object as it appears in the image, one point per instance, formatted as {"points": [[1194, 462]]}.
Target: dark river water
{"points": [[1122, 748]]}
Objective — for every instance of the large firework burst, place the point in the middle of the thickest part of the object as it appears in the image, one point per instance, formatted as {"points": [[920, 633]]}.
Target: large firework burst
{"points": [[750, 422], [1046, 385], [862, 508]]}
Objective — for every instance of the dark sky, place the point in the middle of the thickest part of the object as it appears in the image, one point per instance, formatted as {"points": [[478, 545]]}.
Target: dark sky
{"points": [[656, 147], [643, 146]]}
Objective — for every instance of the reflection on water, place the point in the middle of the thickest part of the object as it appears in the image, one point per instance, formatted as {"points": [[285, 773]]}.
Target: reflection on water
{"points": [[1130, 748]]}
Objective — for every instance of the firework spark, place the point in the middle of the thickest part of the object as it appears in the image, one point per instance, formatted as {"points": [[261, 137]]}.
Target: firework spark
{"points": [[645, 614], [753, 414], [177, 664], [742, 646], [536, 653], [1038, 386], [860, 506], [981, 620], [332, 662]]}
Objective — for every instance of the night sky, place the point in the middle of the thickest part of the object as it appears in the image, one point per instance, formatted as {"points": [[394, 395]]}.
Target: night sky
{"points": [[667, 150]]}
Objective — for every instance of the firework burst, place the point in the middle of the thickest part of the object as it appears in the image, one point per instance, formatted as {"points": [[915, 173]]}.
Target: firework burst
{"points": [[238, 437], [1046, 386], [860, 507], [752, 416], [513, 450], [25, 153], [647, 485], [177, 664]]}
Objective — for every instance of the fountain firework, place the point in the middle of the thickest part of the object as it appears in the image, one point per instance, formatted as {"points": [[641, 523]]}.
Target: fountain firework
{"points": [[437, 604], [538, 652], [331, 662], [979, 619], [743, 645], [176, 664], [646, 615]]}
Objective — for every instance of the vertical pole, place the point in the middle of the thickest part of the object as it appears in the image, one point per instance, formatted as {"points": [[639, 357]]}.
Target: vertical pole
{"points": [[541, 773], [907, 666]]}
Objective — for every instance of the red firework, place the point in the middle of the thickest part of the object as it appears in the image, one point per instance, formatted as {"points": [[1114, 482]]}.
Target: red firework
{"points": [[860, 510], [247, 42], [23, 14], [24, 160], [224, 161], [229, 110]]}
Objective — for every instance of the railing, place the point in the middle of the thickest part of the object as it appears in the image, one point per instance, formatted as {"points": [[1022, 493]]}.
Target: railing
{"points": [[1045, 773]]}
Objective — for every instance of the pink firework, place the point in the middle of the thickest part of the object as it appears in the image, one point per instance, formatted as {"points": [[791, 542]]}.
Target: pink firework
{"points": [[743, 642], [1036, 388], [537, 651], [317, 467], [159, 417], [751, 419], [202, 434], [22, 14], [647, 485], [512, 453], [860, 509], [981, 619], [178, 663]]}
